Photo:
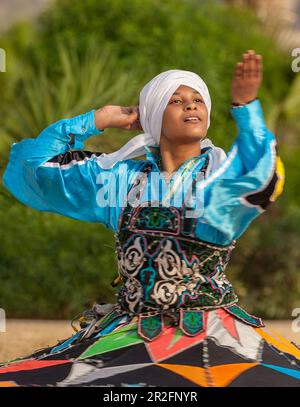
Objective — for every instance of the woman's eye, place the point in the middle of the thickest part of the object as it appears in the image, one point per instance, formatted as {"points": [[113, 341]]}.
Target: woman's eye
{"points": [[177, 100]]}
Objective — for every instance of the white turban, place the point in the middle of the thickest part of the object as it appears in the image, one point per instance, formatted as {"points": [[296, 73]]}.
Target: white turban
{"points": [[154, 98]]}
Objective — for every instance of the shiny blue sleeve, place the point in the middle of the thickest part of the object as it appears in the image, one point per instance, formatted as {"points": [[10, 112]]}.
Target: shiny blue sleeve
{"points": [[248, 180], [45, 174]]}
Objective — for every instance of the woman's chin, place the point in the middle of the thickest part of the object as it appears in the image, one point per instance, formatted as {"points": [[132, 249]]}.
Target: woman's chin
{"points": [[195, 136]]}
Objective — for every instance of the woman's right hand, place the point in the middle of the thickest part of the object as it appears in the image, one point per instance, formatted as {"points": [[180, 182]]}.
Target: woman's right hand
{"points": [[118, 117]]}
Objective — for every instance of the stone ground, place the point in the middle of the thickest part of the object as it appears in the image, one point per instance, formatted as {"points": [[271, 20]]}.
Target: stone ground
{"points": [[24, 336]]}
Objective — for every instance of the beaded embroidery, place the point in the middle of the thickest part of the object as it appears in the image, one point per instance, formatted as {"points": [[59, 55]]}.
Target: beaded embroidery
{"points": [[167, 272]]}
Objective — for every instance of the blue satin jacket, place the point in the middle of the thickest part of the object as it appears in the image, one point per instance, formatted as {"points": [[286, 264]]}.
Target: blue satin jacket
{"points": [[53, 173]]}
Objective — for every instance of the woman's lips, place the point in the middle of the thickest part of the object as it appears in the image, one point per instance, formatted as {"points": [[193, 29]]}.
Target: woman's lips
{"points": [[195, 121]]}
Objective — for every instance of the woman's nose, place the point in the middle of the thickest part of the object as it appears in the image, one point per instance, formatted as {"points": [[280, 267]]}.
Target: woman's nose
{"points": [[191, 106]]}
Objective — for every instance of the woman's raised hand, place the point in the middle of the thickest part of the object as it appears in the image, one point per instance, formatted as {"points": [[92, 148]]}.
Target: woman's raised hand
{"points": [[247, 78], [118, 117]]}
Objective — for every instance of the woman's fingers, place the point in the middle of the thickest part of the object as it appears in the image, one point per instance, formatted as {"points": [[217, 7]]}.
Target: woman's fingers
{"points": [[246, 65], [239, 70], [258, 65], [250, 66], [247, 77], [131, 118], [132, 109]]}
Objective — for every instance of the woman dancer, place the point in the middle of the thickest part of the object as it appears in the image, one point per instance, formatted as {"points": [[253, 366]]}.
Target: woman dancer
{"points": [[176, 217]]}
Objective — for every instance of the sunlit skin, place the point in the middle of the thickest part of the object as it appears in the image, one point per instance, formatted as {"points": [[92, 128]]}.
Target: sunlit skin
{"points": [[179, 140]]}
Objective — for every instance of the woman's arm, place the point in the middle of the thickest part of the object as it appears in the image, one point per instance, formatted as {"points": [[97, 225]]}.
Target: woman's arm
{"points": [[252, 176], [45, 174]]}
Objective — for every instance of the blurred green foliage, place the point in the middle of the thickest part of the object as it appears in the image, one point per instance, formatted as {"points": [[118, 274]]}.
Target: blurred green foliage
{"points": [[82, 55], [52, 267]]}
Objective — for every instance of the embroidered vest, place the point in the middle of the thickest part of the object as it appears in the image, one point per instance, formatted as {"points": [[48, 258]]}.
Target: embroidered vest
{"points": [[168, 274]]}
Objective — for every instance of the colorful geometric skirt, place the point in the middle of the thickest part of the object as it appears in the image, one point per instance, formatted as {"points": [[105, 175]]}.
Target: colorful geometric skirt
{"points": [[228, 352]]}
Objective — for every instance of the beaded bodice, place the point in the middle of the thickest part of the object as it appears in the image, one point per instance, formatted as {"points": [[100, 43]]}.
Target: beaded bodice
{"points": [[164, 266], [166, 270]]}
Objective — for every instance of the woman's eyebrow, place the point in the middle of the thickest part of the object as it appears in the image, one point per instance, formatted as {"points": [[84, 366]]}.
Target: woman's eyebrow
{"points": [[178, 93]]}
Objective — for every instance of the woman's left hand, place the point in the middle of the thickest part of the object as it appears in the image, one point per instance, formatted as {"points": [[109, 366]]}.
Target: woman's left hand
{"points": [[247, 78]]}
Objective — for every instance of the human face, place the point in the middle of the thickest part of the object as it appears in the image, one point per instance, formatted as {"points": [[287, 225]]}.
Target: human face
{"points": [[184, 102]]}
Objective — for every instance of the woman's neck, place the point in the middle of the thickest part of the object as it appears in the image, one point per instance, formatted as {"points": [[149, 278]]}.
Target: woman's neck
{"points": [[172, 157]]}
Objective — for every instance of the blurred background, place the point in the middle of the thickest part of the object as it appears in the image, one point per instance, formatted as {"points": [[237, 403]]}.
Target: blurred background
{"points": [[66, 57]]}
